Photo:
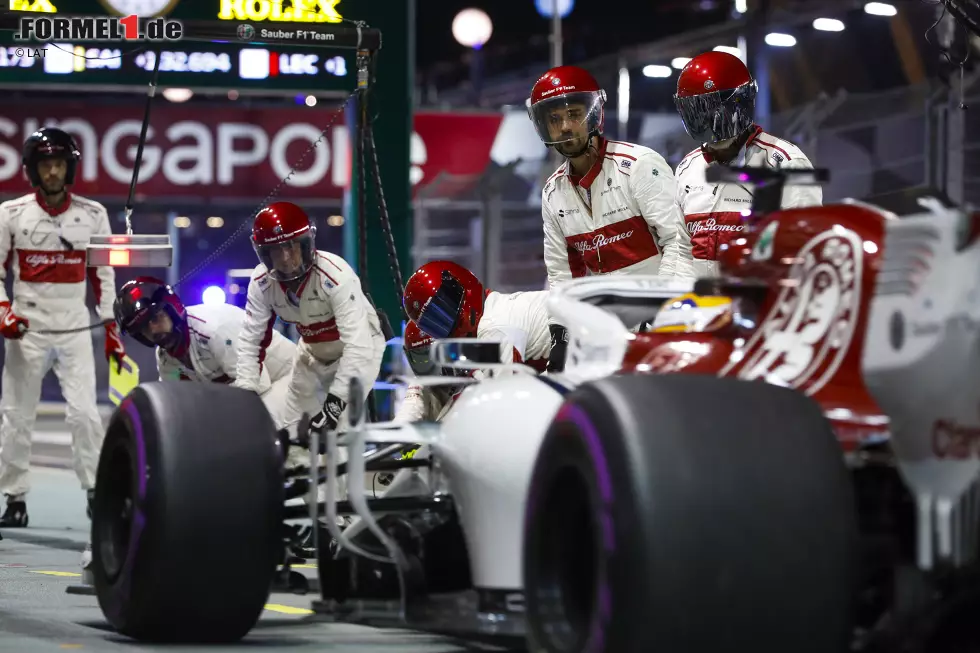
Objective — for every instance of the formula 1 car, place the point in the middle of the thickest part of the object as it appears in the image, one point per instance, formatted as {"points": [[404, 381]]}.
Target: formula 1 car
{"points": [[801, 476]]}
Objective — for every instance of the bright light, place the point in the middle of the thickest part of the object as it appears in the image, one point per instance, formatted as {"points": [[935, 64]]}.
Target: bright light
{"points": [[178, 94], [472, 28], [118, 257], [215, 222], [336, 221], [623, 101], [880, 9], [234, 289], [546, 8], [310, 101], [780, 40], [182, 222], [679, 62], [728, 49], [828, 25], [213, 296], [741, 6], [657, 71]]}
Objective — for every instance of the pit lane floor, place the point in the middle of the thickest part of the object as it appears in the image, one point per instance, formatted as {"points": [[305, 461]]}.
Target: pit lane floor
{"points": [[37, 564]]}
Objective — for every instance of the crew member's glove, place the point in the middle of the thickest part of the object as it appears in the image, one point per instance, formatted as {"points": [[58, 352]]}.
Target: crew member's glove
{"points": [[12, 325], [328, 418], [114, 348], [559, 348]]}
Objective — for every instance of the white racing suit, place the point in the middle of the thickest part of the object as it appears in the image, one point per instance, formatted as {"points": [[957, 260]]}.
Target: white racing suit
{"points": [[620, 218], [340, 335], [46, 253], [213, 357], [715, 213]]}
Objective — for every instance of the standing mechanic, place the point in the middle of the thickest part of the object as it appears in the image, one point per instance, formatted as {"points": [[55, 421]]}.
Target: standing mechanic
{"points": [[446, 300], [340, 334], [610, 207], [199, 343], [716, 101], [44, 235]]}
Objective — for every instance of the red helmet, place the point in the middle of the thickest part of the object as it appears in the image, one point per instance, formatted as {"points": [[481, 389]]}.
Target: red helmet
{"points": [[137, 304], [277, 230], [566, 92], [716, 97], [445, 300]]}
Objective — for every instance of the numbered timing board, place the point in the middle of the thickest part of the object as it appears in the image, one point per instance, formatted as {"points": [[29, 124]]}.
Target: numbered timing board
{"points": [[191, 65]]}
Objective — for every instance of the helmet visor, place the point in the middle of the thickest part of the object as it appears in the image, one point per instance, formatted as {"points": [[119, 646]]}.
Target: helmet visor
{"points": [[718, 116], [441, 313], [288, 260], [567, 117]]}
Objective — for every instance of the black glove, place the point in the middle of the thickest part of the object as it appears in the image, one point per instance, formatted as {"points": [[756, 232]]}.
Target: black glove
{"points": [[328, 418], [559, 347]]}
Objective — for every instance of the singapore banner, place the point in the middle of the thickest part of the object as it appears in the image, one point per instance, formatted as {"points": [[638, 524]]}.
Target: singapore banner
{"points": [[241, 152]]}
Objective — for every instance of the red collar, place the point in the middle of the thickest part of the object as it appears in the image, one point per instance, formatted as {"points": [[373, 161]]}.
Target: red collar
{"points": [[756, 130], [586, 180], [53, 210]]}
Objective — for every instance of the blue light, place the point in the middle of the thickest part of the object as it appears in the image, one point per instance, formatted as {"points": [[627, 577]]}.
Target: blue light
{"points": [[213, 296], [545, 7]]}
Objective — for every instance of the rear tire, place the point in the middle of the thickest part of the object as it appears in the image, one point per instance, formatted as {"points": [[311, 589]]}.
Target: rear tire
{"points": [[689, 513], [187, 516]]}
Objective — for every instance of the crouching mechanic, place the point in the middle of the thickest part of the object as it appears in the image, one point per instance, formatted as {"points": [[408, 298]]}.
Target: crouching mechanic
{"points": [[446, 300], [610, 208], [340, 334], [199, 343], [427, 403], [43, 237], [716, 101]]}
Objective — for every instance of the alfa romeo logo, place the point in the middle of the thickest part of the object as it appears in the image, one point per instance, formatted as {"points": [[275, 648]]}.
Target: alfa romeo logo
{"points": [[555, 81], [808, 331], [246, 32]]}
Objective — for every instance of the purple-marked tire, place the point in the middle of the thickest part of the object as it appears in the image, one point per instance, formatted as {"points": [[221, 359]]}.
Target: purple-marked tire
{"points": [[689, 513], [187, 516]]}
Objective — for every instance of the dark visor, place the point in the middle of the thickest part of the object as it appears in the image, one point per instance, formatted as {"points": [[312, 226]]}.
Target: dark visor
{"points": [[440, 315]]}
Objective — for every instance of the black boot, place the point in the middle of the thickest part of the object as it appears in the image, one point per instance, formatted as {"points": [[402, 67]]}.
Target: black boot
{"points": [[15, 516]]}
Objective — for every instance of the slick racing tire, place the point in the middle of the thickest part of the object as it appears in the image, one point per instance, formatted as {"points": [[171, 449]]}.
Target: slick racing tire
{"points": [[187, 516], [689, 513]]}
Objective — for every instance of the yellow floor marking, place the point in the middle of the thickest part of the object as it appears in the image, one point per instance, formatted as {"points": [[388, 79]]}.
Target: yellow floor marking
{"points": [[304, 566], [286, 609], [66, 574], [70, 646]]}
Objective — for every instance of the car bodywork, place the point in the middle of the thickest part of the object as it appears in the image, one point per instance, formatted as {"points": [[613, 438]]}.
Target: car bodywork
{"points": [[873, 316]]}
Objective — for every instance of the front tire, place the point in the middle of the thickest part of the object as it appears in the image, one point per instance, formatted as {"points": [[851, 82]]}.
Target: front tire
{"points": [[689, 513], [187, 515]]}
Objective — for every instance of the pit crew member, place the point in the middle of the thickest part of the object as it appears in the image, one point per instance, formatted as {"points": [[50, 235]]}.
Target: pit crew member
{"points": [[44, 236], [340, 334], [446, 300], [200, 342], [610, 207], [716, 101], [424, 402]]}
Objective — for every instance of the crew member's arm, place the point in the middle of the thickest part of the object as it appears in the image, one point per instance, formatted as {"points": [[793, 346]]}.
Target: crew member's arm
{"points": [[362, 348], [797, 196], [556, 261], [555, 248], [655, 189], [224, 348], [103, 280], [412, 407], [11, 325], [256, 333]]}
